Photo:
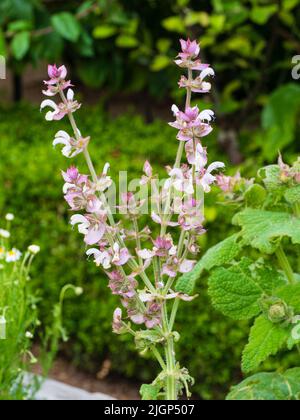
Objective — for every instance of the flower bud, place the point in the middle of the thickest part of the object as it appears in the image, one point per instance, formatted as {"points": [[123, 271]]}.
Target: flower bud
{"points": [[78, 291], [34, 249]]}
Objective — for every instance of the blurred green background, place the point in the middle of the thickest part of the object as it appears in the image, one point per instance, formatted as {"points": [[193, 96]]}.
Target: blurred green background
{"points": [[121, 58]]}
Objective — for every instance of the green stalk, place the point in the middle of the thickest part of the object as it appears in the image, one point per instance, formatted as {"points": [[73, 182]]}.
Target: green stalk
{"points": [[171, 392], [285, 265], [297, 209]]}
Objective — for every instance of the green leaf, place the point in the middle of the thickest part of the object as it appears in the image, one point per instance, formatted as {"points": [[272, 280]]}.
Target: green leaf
{"points": [[279, 119], [236, 291], [20, 45], [265, 340], [149, 392], [104, 31], [292, 195], [127, 41], [255, 195], [268, 387], [19, 25], [220, 254], [174, 24], [66, 25], [271, 179], [261, 229], [261, 14], [160, 62]]}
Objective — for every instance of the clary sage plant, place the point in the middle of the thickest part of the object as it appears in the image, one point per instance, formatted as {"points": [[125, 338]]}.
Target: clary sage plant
{"points": [[147, 265]]}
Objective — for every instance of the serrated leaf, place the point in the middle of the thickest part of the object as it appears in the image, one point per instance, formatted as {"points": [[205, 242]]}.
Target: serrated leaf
{"points": [[268, 387], [290, 293], [271, 179], [266, 339], [292, 195], [236, 291], [66, 25], [20, 45], [149, 392], [261, 228], [220, 254]]}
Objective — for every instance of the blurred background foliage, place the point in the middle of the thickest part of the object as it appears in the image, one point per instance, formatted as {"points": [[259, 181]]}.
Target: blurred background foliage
{"points": [[120, 48]]}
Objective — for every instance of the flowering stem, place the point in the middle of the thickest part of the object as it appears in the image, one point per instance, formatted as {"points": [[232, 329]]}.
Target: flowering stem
{"points": [[174, 313], [285, 265], [171, 393]]}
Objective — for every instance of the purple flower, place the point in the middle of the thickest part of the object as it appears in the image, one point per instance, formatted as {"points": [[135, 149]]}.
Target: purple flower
{"points": [[59, 111], [191, 123], [93, 227], [190, 49], [198, 85], [121, 286], [191, 217]]}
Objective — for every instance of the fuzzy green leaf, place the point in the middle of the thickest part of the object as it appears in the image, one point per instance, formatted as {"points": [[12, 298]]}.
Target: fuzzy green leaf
{"points": [[236, 291], [255, 195], [220, 254], [292, 195], [149, 392], [265, 339], [268, 387], [260, 229]]}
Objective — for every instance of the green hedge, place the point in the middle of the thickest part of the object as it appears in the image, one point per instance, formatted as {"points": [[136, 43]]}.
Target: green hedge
{"points": [[30, 186]]}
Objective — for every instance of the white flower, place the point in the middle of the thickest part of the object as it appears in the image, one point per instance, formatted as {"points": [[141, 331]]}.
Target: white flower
{"points": [[101, 258], [4, 234], [69, 150], [13, 255], [34, 249], [50, 114], [9, 217], [78, 291], [28, 335]]}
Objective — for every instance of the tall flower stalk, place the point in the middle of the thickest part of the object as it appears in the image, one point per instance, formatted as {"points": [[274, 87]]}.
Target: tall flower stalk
{"points": [[141, 264]]}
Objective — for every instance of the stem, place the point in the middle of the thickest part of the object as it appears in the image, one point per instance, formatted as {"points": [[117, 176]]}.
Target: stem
{"points": [[173, 313], [285, 265], [297, 209], [171, 392], [158, 357]]}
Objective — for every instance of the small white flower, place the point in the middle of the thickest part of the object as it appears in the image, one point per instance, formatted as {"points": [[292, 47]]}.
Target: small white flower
{"points": [[28, 335], [34, 249], [13, 255], [4, 234], [9, 217], [78, 291]]}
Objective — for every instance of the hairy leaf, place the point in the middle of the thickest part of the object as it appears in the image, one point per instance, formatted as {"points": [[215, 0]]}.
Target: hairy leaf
{"points": [[292, 195], [149, 392], [236, 291], [265, 339], [268, 386], [261, 228], [220, 254]]}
